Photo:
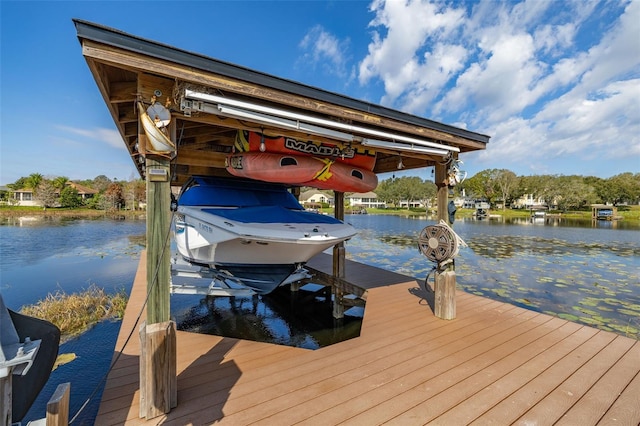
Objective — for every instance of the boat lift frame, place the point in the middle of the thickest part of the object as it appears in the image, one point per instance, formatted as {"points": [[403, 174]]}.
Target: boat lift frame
{"points": [[189, 278]]}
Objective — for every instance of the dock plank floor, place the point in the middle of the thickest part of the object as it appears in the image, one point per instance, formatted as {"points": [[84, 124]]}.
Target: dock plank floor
{"points": [[494, 364]]}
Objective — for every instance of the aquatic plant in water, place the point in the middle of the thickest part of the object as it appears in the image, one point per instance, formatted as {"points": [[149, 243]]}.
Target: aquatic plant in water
{"points": [[75, 313]]}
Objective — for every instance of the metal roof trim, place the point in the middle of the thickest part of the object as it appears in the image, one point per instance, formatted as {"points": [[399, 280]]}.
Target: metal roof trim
{"points": [[113, 37]]}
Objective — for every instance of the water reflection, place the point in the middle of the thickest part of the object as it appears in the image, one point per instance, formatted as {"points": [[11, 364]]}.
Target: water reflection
{"points": [[559, 220], [301, 319]]}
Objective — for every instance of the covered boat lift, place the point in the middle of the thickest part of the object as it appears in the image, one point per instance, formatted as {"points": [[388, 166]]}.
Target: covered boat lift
{"points": [[208, 102]]}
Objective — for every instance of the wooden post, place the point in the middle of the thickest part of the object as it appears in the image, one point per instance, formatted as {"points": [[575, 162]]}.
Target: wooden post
{"points": [[445, 276], [445, 294], [338, 260], [58, 406], [158, 379], [158, 376], [338, 272], [443, 192], [6, 399], [158, 228]]}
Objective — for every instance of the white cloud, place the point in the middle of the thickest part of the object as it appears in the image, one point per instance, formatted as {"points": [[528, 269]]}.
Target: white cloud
{"points": [[439, 66], [397, 59], [504, 81], [606, 128], [322, 47], [109, 136], [553, 38], [545, 79]]}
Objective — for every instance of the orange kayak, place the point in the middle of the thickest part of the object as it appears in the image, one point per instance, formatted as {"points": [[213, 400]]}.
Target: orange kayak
{"points": [[362, 157]]}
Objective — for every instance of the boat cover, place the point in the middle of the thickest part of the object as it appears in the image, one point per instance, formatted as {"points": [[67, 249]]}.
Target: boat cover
{"points": [[221, 192], [271, 214]]}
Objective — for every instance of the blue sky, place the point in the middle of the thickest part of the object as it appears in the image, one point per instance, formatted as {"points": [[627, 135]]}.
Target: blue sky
{"points": [[556, 84]]}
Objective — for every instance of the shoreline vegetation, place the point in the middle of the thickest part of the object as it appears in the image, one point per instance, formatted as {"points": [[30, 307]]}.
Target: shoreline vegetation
{"points": [[76, 313], [20, 211], [626, 212]]}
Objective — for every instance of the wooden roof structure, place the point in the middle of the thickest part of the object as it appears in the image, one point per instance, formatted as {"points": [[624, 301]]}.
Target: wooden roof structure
{"points": [[128, 69]]}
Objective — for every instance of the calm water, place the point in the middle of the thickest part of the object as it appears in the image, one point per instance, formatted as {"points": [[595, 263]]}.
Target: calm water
{"points": [[573, 270], [40, 256], [581, 271]]}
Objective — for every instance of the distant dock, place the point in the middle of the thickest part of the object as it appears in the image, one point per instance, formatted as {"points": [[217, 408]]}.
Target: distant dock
{"points": [[494, 364]]}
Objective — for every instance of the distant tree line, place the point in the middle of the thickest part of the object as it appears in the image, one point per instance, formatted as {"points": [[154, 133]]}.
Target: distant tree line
{"points": [[496, 186], [56, 192], [407, 189], [503, 187]]}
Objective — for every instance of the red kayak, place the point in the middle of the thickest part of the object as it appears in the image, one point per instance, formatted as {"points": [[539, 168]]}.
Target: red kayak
{"points": [[301, 170], [344, 178], [271, 167]]}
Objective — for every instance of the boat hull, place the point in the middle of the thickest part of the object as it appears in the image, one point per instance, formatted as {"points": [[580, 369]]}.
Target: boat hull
{"points": [[260, 243], [205, 238]]}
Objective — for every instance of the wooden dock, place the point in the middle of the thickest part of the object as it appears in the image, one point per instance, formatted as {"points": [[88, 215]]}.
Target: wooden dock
{"points": [[494, 364]]}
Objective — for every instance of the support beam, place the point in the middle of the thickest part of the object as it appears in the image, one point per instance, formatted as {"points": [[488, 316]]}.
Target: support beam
{"points": [[445, 294], [158, 229], [443, 192], [445, 276], [158, 380], [338, 259]]}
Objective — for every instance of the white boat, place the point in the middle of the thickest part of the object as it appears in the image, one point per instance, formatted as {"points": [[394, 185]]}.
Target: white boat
{"points": [[254, 232], [538, 215]]}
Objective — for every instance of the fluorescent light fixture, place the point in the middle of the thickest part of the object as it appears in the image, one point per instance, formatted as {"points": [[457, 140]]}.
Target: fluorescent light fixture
{"points": [[283, 122], [304, 121], [403, 147]]}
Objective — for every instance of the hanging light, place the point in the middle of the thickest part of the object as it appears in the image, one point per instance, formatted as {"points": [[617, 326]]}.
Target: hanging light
{"points": [[400, 165], [263, 146]]}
